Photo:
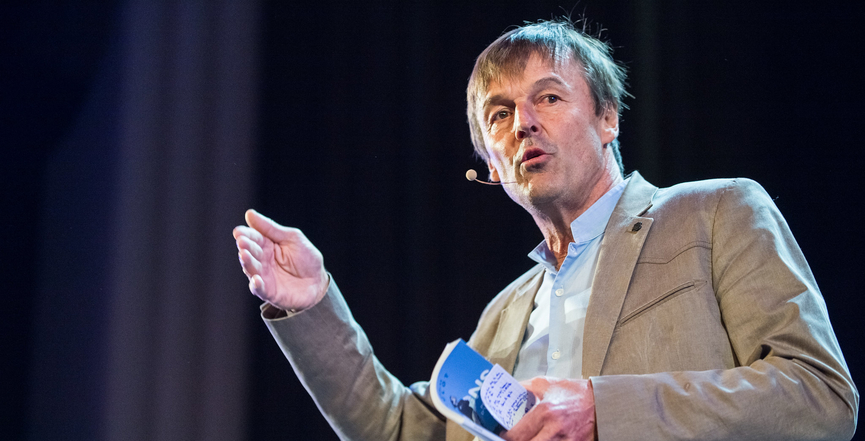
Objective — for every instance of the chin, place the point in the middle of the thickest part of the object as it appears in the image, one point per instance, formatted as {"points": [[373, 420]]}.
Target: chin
{"points": [[536, 195]]}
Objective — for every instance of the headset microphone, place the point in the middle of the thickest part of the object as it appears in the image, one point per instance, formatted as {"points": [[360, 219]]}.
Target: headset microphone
{"points": [[472, 175]]}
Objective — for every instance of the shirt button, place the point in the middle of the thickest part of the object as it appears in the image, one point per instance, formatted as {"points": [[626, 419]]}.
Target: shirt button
{"points": [[556, 355], [559, 292]]}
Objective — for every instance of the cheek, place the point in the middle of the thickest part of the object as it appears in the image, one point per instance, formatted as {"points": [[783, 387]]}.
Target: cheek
{"points": [[493, 152], [497, 135], [573, 124], [497, 150]]}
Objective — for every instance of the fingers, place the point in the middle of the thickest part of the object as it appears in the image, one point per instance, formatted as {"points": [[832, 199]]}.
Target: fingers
{"points": [[566, 411], [245, 243], [538, 386], [251, 266], [256, 286], [530, 425], [242, 231], [249, 252], [527, 428], [268, 228], [252, 269], [549, 421], [262, 230]]}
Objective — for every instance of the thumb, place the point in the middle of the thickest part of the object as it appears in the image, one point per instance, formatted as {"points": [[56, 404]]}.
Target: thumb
{"points": [[266, 226], [538, 386]]}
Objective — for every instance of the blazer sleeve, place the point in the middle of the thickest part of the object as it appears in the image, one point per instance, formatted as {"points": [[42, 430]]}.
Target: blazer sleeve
{"points": [[790, 380], [335, 363]]}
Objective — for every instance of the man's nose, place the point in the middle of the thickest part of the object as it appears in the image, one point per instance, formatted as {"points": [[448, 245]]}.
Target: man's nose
{"points": [[525, 122]]}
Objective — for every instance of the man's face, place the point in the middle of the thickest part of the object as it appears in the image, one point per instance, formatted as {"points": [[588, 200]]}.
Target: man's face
{"points": [[541, 132]]}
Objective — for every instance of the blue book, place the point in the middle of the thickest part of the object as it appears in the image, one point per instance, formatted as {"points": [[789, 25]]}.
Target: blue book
{"points": [[479, 396]]}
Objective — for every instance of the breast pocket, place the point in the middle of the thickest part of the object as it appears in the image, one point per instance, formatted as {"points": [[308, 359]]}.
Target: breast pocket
{"points": [[660, 300], [679, 329]]}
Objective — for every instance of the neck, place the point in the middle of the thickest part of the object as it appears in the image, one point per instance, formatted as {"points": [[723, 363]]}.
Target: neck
{"points": [[555, 221]]}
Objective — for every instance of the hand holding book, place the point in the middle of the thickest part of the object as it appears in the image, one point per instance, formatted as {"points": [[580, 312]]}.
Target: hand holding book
{"points": [[488, 402], [565, 411], [482, 398]]}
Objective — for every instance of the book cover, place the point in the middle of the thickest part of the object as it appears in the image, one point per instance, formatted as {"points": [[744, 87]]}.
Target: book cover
{"points": [[479, 396]]}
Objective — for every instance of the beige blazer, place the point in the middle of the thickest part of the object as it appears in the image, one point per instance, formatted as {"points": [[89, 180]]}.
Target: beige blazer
{"points": [[704, 323]]}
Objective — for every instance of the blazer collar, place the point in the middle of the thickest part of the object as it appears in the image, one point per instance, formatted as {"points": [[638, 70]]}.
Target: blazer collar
{"points": [[618, 255], [623, 240], [636, 199], [512, 322]]}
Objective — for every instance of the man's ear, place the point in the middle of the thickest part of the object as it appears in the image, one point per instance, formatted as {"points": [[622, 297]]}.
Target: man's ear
{"points": [[609, 125], [494, 174]]}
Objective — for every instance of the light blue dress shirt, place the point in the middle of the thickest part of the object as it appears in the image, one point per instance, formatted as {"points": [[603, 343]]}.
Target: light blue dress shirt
{"points": [[553, 342]]}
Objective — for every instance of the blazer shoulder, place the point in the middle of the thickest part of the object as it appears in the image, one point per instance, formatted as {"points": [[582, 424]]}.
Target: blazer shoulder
{"points": [[711, 191]]}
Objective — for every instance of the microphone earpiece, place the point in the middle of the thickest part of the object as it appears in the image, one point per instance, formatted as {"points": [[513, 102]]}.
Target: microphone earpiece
{"points": [[472, 175]]}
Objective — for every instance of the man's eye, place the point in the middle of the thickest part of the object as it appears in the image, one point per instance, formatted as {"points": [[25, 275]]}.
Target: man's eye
{"points": [[551, 99], [501, 114]]}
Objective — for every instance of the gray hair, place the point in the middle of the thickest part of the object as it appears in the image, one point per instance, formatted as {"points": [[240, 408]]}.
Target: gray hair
{"points": [[555, 40]]}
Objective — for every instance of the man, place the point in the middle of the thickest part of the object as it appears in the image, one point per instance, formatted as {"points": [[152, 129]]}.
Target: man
{"points": [[679, 313]]}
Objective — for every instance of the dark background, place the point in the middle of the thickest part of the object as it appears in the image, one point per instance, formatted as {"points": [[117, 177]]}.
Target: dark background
{"points": [[359, 138]]}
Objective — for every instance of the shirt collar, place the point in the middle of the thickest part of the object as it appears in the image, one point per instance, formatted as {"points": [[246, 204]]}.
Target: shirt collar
{"points": [[587, 227]]}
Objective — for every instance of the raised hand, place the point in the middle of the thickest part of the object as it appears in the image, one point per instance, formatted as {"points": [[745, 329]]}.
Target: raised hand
{"points": [[565, 411], [283, 266]]}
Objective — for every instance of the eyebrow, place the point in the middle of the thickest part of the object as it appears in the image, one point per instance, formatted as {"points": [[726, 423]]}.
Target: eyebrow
{"points": [[539, 84], [545, 82]]}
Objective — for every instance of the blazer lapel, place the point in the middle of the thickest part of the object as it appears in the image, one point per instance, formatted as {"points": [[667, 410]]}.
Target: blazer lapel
{"points": [[623, 240], [512, 324]]}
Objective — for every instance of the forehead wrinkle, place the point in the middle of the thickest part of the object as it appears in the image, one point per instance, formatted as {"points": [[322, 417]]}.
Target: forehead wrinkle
{"points": [[545, 82]]}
